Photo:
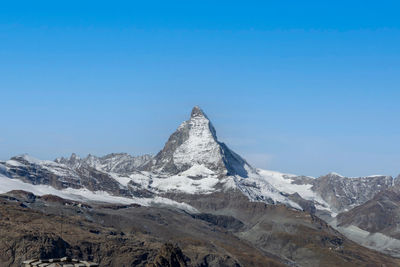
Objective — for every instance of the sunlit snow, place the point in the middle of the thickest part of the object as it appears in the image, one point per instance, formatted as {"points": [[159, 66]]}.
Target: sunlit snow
{"points": [[8, 184]]}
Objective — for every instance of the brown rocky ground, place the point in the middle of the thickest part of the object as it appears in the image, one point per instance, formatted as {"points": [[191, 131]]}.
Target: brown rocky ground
{"points": [[296, 236], [50, 227], [229, 231]]}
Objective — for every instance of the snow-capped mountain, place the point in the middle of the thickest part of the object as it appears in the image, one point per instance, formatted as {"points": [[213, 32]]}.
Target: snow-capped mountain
{"points": [[195, 170], [194, 161], [195, 143]]}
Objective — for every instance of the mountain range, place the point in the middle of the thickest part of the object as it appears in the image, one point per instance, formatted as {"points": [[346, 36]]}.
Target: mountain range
{"points": [[253, 217]]}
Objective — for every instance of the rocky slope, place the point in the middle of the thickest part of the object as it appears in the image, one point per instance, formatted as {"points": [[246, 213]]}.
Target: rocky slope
{"points": [[116, 235], [343, 193], [228, 231], [375, 223], [380, 214], [121, 163], [298, 237]]}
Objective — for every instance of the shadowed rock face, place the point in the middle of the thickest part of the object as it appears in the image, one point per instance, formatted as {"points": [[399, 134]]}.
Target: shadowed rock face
{"points": [[121, 163], [61, 176], [227, 222], [195, 142], [380, 214], [344, 193], [169, 255], [306, 205], [53, 174]]}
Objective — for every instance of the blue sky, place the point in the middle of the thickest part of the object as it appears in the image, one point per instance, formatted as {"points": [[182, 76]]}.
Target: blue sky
{"points": [[298, 86]]}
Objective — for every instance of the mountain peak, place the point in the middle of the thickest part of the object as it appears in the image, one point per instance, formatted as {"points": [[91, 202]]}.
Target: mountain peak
{"points": [[195, 143], [197, 112]]}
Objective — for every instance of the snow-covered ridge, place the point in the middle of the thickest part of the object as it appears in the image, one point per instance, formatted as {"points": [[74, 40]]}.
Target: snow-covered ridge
{"points": [[198, 179], [335, 174], [115, 162], [200, 147], [261, 185], [193, 161], [195, 142], [286, 183], [51, 166], [85, 195]]}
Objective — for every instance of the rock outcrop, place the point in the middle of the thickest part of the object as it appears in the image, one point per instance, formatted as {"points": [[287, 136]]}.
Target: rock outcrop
{"points": [[195, 142]]}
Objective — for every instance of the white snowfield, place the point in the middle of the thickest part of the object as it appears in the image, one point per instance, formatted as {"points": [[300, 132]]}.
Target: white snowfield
{"points": [[201, 146], [184, 184], [257, 188], [260, 185], [284, 183], [263, 185], [7, 184]]}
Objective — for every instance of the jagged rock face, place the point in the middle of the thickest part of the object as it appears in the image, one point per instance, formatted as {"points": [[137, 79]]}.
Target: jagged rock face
{"points": [[61, 176], [396, 182], [344, 193], [380, 214], [195, 142], [96, 180], [74, 161], [32, 171], [306, 205], [169, 255], [127, 236], [121, 163]]}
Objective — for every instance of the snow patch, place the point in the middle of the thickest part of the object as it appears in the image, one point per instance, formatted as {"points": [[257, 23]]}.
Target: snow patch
{"points": [[85, 195], [201, 146], [14, 163], [284, 183], [257, 188], [198, 170], [335, 174], [185, 184]]}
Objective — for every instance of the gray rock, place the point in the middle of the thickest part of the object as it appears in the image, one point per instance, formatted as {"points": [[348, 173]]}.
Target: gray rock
{"points": [[343, 193], [195, 142], [121, 163]]}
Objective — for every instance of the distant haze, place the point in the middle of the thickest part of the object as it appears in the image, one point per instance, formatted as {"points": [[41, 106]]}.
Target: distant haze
{"points": [[303, 89]]}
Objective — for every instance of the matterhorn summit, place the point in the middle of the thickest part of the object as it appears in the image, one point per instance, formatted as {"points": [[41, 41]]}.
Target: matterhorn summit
{"points": [[195, 144]]}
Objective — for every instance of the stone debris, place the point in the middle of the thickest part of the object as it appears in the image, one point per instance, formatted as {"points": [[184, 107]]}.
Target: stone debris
{"points": [[63, 262]]}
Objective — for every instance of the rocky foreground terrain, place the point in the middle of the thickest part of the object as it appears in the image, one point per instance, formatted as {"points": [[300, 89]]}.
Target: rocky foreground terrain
{"points": [[195, 203], [229, 231]]}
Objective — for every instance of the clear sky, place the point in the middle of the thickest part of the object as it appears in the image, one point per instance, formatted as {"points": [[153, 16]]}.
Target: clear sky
{"points": [[305, 87]]}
